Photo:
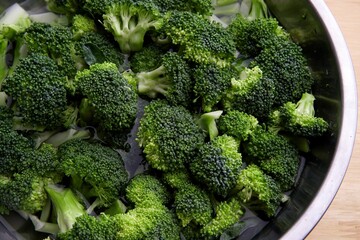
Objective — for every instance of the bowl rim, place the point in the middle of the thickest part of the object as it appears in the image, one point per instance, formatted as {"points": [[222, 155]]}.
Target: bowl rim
{"points": [[347, 133]]}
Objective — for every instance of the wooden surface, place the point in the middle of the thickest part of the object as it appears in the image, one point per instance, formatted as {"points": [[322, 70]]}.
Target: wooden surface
{"points": [[342, 219]]}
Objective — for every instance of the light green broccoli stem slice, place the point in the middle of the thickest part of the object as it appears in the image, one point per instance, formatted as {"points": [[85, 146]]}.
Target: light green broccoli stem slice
{"points": [[207, 122], [306, 105], [154, 82]]}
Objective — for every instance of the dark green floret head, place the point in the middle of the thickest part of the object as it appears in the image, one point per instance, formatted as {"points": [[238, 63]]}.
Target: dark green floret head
{"points": [[217, 164], [169, 135], [111, 97]]}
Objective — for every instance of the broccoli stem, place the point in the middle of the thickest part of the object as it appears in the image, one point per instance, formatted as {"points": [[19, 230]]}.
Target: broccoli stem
{"points": [[207, 122], [227, 10], [118, 207], [306, 105], [67, 206], [3, 98], [3, 63], [154, 82], [217, 3], [62, 137], [45, 227]]}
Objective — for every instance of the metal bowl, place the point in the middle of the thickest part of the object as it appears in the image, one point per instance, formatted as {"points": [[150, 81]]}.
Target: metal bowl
{"points": [[313, 27]]}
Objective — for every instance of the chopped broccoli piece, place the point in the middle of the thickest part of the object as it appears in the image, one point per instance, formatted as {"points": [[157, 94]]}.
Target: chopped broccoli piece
{"points": [[211, 81], [202, 7], [299, 118], [66, 7], [169, 135], [171, 79], [82, 24], [250, 92], [258, 191], [129, 21], [39, 90], [112, 99], [237, 124], [200, 40], [217, 164], [207, 121], [95, 170], [147, 59]]}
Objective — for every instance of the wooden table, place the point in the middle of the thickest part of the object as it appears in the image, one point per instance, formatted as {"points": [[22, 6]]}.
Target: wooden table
{"points": [[342, 220]]}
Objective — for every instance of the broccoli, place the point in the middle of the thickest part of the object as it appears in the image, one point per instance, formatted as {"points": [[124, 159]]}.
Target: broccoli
{"points": [[129, 21], [227, 213], [91, 228], [95, 170], [147, 59], [211, 81], [258, 191], [284, 63], [274, 155], [67, 7], [207, 122], [253, 36], [13, 22], [155, 222], [217, 164], [299, 118], [143, 190], [25, 191], [94, 47], [54, 41], [202, 7], [168, 135], [237, 124], [39, 90], [192, 204], [251, 93], [171, 79], [200, 40], [254, 9], [82, 24], [111, 98]]}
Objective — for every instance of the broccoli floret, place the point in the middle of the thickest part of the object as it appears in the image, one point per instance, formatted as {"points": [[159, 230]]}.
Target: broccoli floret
{"points": [[253, 36], [143, 190], [96, 8], [129, 21], [55, 41], [25, 191], [211, 81], [94, 47], [91, 228], [192, 204], [284, 63], [217, 164], [250, 92], [13, 22], [237, 124], [95, 170], [39, 90], [67, 206], [82, 24], [299, 118], [274, 155], [147, 59], [227, 213], [111, 98], [202, 7], [155, 222], [169, 135], [200, 40], [171, 79], [258, 191], [66, 7], [207, 122]]}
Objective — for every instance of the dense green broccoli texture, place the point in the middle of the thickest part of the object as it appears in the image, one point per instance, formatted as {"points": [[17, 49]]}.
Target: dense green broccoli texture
{"points": [[39, 90], [202, 7], [211, 82], [111, 98], [82, 24], [299, 118], [129, 21], [274, 155], [168, 135], [250, 92], [217, 164], [200, 40], [95, 170], [147, 59], [258, 191], [237, 124], [171, 79]]}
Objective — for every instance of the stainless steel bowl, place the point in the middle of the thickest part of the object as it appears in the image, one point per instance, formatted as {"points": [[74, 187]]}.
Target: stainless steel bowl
{"points": [[312, 25]]}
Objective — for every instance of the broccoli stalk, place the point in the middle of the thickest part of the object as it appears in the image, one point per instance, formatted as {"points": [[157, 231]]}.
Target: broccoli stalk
{"points": [[153, 82], [129, 22], [67, 206], [207, 122]]}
